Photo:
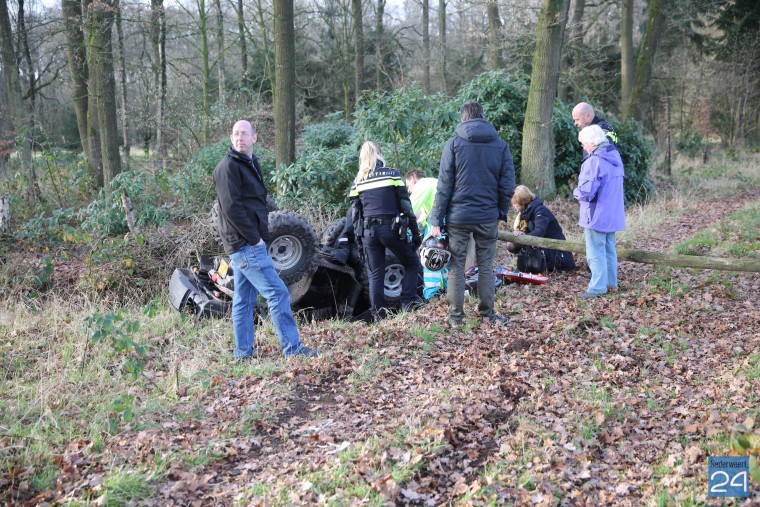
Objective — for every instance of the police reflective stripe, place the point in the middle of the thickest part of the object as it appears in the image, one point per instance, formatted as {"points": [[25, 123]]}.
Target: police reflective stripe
{"points": [[612, 135], [378, 179]]}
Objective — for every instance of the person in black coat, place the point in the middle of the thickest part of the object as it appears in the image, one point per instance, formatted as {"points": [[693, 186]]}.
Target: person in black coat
{"points": [[535, 219]]}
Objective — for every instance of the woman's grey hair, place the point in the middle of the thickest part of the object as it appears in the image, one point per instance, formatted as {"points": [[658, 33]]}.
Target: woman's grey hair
{"points": [[593, 135]]}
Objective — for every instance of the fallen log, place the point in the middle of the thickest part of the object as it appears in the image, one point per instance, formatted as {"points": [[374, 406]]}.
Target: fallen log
{"points": [[673, 260]]}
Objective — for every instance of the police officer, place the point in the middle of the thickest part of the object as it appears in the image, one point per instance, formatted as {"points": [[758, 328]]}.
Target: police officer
{"points": [[382, 215]]}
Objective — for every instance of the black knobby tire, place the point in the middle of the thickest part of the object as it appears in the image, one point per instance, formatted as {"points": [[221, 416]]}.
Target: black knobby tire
{"points": [[292, 245], [333, 232]]}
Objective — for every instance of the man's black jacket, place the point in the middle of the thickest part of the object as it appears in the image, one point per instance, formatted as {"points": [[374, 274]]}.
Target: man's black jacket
{"points": [[243, 216]]}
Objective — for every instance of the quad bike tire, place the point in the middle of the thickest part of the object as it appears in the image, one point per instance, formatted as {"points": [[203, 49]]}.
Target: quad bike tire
{"points": [[292, 245], [333, 232], [394, 274]]}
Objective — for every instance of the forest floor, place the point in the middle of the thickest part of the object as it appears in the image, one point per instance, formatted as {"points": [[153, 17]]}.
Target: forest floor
{"points": [[615, 401]]}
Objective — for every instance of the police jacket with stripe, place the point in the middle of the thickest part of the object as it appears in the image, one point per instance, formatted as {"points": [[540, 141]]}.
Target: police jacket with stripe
{"points": [[243, 217], [382, 194]]}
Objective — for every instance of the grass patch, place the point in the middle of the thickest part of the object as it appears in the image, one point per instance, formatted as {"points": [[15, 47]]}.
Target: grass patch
{"points": [[737, 235], [127, 488]]}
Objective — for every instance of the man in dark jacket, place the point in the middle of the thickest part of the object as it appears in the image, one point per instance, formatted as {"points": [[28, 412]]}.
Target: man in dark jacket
{"points": [[243, 225], [475, 184], [583, 116]]}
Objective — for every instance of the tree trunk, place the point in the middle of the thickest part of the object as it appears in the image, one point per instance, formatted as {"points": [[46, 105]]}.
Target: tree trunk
{"points": [[442, 42], [220, 66], [357, 12], [426, 46], [379, 44], [645, 62], [626, 54], [642, 256], [19, 114], [285, 85], [494, 36], [573, 51], [538, 138], [205, 71], [123, 88], [100, 18], [77, 61], [243, 47], [158, 36]]}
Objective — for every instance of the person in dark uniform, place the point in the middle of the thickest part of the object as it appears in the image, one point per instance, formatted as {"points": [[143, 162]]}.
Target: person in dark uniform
{"points": [[382, 215]]}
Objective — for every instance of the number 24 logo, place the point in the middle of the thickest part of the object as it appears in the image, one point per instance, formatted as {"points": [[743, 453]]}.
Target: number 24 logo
{"points": [[734, 481]]}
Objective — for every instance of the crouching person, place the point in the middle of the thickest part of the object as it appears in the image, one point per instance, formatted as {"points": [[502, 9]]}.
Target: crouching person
{"points": [[535, 219]]}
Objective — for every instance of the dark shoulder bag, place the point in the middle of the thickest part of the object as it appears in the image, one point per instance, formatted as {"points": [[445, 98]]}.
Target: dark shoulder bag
{"points": [[531, 259]]}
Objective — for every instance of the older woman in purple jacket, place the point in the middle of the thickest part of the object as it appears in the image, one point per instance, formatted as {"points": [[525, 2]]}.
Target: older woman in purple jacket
{"points": [[600, 193]]}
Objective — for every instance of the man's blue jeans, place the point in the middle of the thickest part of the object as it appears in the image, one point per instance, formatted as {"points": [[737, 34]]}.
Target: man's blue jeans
{"points": [[485, 236], [255, 273], [602, 260]]}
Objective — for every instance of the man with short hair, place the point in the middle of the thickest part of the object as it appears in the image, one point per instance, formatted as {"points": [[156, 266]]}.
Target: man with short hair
{"points": [[583, 116], [243, 224], [422, 194], [476, 181]]}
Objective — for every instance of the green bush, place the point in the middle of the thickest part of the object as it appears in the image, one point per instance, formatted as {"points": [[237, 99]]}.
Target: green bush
{"points": [[194, 185], [333, 133], [412, 129]]}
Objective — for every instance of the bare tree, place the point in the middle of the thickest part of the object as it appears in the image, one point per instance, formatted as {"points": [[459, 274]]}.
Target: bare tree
{"points": [[158, 39], [358, 15], [79, 70], [243, 46], [538, 138], [122, 86], [100, 19], [19, 114], [647, 52], [626, 53], [442, 42], [285, 83], [494, 36], [379, 14], [426, 46], [220, 51]]}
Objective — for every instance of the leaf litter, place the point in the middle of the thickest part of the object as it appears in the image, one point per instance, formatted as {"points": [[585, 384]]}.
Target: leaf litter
{"points": [[609, 402]]}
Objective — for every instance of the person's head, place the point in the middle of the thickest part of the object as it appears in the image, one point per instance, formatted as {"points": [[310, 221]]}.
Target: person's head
{"points": [[470, 111], [583, 115], [368, 157], [243, 137], [412, 177], [591, 137], [522, 197]]}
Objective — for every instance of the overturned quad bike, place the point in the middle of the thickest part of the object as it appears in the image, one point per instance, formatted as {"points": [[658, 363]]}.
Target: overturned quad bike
{"points": [[324, 281]]}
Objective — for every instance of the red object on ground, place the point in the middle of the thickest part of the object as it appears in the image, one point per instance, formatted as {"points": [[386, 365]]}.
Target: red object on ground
{"points": [[520, 277]]}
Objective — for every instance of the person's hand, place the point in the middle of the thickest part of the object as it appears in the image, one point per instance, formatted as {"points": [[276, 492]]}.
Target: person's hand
{"points": [[435, 231]]}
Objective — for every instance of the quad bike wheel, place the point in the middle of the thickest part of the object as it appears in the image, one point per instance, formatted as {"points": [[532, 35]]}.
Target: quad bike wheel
{"points": [[292, 246], [333, 232]]}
